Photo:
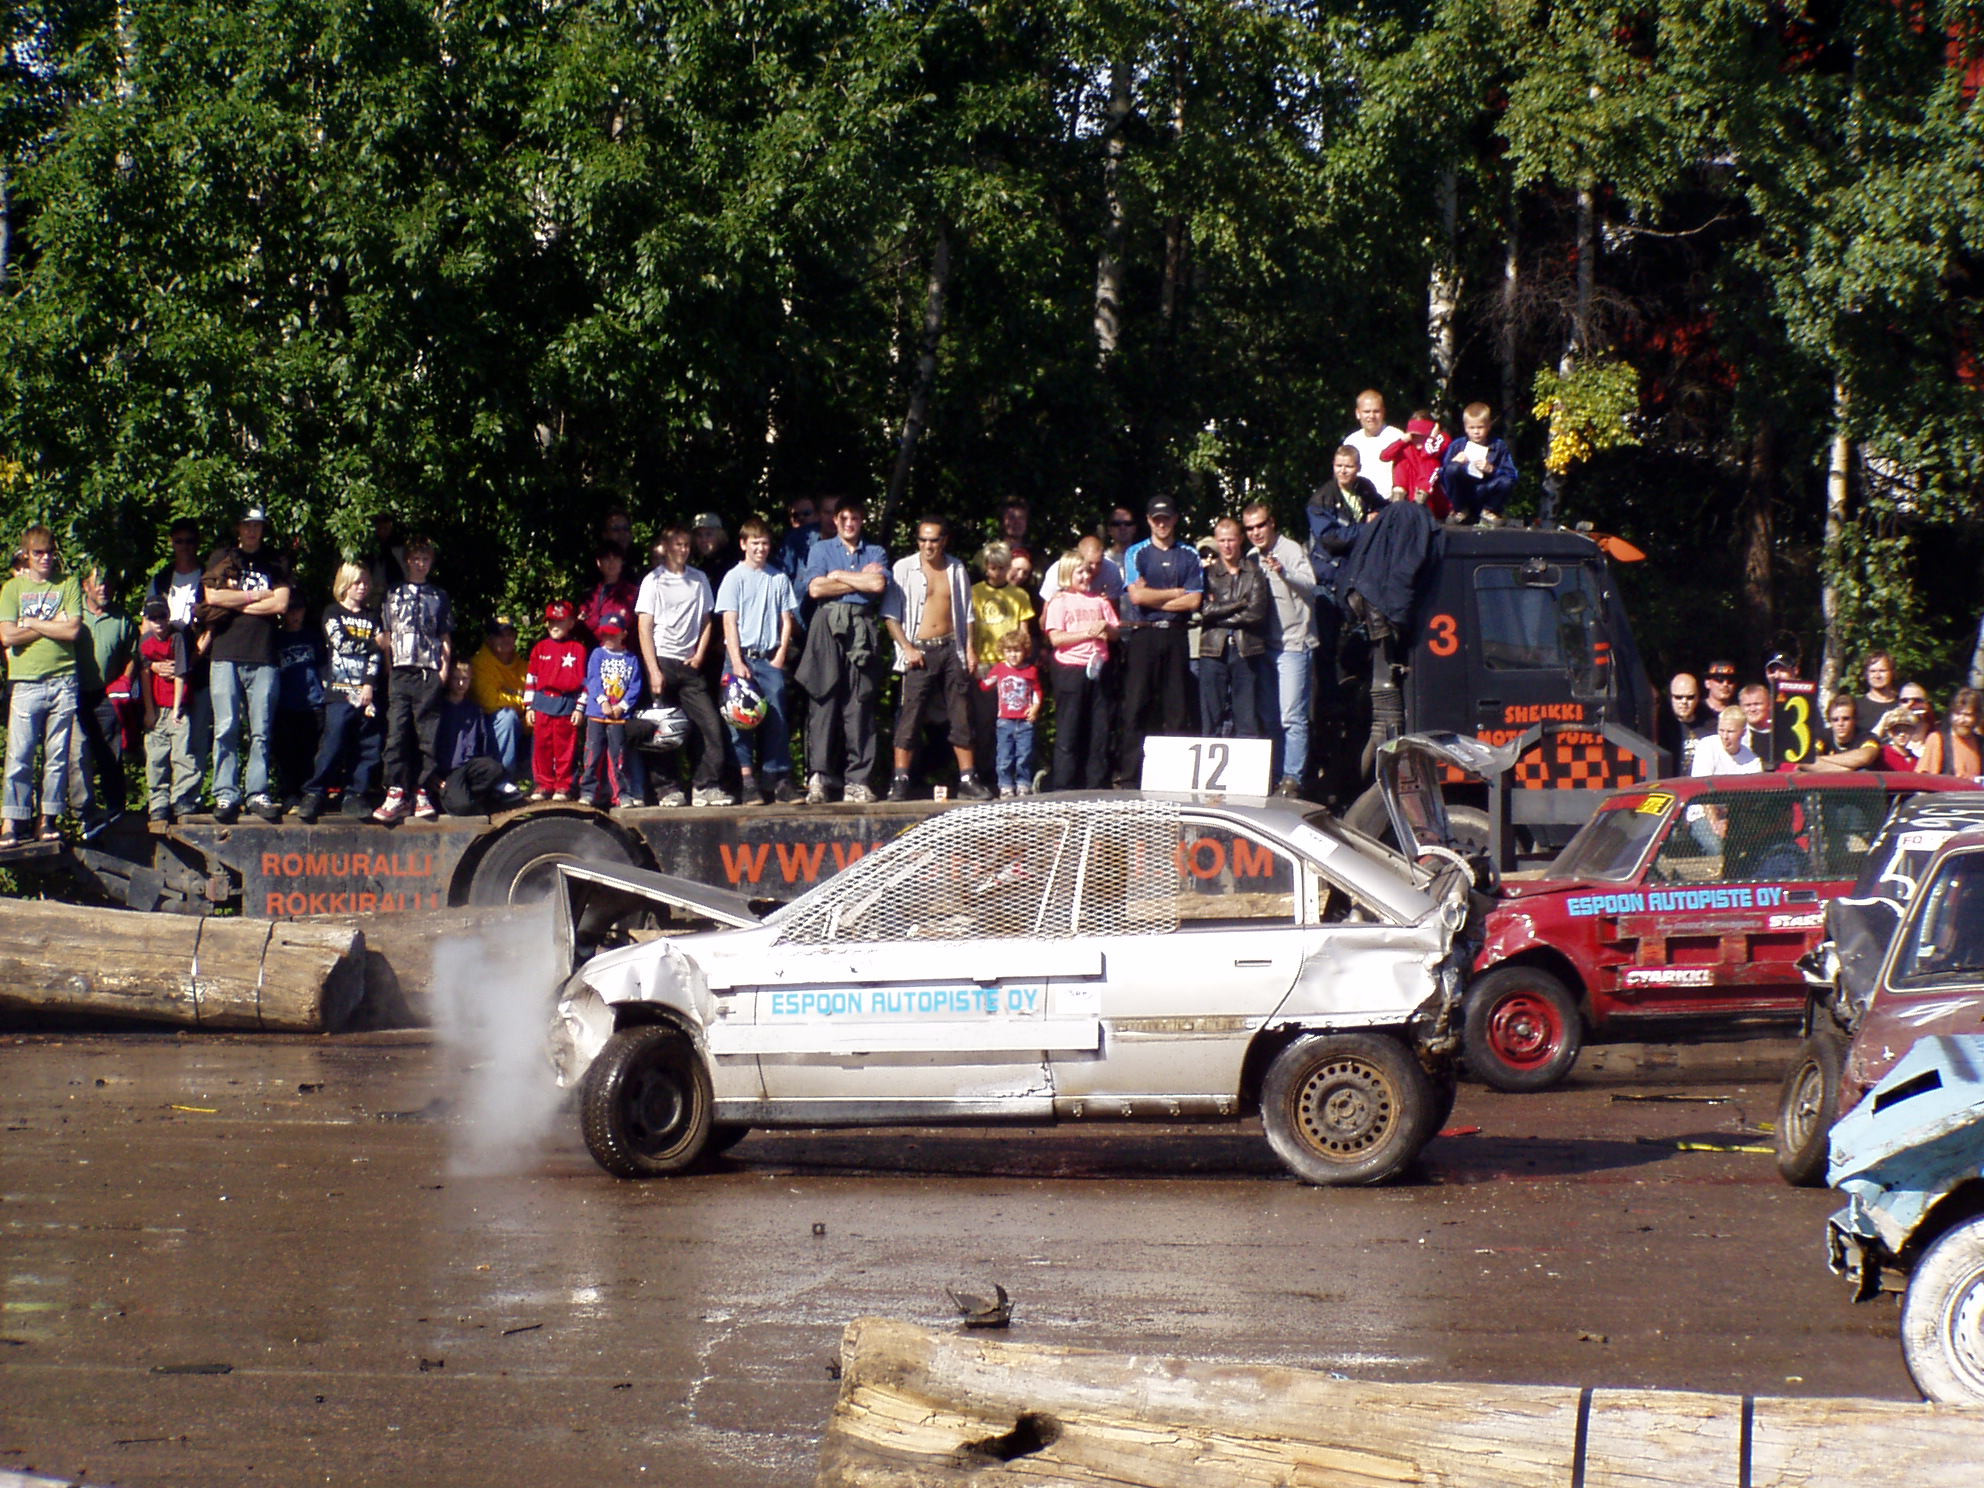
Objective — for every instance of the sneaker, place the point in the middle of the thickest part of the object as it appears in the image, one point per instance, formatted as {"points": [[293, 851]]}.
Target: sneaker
{"points": [[714, 795], [565, 796], [509, 793], [1490, 519], [227, 813], [785, 792], [310, 807], [816, 790], [392, 809], [627, 803], [971, 788], [898, 789], [672, 796], [859, 794], [423, 807], [1289, 786], [540, 795], [266, 806], [1024, 788]]}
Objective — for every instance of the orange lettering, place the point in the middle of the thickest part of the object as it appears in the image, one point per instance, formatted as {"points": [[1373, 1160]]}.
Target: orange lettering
{"points": [[274, 911], [742, 862], [271, 864], [1251, 861], [849, 852], [796, 860]]}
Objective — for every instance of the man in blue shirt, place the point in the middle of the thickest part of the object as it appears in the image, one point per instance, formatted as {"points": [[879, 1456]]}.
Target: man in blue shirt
{"points": [[1165, 587], [842, 667]]}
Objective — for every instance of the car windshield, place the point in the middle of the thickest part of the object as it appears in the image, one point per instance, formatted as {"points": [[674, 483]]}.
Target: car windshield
{"points": [[1896, 865], [1945, 940], [1611, 844]]}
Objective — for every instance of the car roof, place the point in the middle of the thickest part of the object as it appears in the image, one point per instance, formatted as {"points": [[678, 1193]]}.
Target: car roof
{"points": [[1351, 861]]}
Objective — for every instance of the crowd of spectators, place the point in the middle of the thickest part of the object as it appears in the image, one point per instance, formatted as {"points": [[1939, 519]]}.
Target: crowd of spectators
{"points": [[701, 676]]}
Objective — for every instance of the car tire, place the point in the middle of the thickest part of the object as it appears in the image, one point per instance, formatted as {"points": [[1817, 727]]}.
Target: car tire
{"points": [[1806, 1107], [1522, 1029], [1346, 1108], [520, 866], [645, 1104], [725, 1135], [1942, 1318]]}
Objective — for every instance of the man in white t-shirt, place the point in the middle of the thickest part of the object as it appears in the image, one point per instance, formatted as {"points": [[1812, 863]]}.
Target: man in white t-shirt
{"points": [[1371, 435], [1726, 755], [673, 615]]}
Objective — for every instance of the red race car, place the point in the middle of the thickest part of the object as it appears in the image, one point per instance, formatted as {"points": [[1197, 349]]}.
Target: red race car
{"points": [[1685, 898]]}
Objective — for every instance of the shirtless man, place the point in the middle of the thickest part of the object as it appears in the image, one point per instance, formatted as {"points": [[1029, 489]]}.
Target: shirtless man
{"points": [[928, 613]]}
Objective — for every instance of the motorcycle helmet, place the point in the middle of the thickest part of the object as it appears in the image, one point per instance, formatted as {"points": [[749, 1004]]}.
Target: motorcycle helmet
{"points": [[744, 706]]}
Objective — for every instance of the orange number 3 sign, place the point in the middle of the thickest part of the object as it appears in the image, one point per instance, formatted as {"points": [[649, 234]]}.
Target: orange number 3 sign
{"points": [[1445, 638]]}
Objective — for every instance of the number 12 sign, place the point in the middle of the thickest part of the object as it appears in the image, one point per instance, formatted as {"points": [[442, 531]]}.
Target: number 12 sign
{"points": [[1229, 767]]}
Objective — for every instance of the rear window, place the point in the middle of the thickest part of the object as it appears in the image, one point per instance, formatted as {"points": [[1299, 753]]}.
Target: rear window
{"points": [[1611, 844]]}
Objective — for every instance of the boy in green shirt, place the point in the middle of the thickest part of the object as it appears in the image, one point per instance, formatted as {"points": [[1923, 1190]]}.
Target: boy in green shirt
{"points": [[40, 618]]}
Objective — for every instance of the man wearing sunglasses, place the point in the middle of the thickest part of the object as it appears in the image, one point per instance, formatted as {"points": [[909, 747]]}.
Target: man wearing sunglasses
{"points": [[41, 616], [1718, 688], [1685, 723]]}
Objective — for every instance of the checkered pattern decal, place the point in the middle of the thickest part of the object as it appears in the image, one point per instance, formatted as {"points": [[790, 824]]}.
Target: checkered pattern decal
{"points": [[1570, 761]]}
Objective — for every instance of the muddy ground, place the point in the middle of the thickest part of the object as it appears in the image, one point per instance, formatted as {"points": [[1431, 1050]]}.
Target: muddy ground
{"points": [[235, 1260]]}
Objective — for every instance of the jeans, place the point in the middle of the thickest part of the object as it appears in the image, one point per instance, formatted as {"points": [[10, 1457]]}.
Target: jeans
{"points": [[770, 741], [1226, 694], [1015, 752], [96, 755], [176, 755], [506, 731], [1281, 692], [41, 710], [236, 683], [348, 754]]}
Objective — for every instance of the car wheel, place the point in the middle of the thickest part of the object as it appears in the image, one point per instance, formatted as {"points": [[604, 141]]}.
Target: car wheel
{"points": [[1522, 1029], [521, 865], [1346, 1108], [645, 1104], [1468, 824], [725, 1135], [1805, 1110], [1942, 1318]]}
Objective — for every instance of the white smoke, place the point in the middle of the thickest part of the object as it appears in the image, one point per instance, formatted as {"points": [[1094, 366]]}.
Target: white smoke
{"points": [[491, 1000]]}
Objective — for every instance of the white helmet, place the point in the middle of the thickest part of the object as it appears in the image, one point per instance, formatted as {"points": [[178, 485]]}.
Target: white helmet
{"points": [[671, 727]]}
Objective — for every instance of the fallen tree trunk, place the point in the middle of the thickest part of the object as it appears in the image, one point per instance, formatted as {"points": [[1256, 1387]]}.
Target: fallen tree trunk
{"points": [[276, 975], [925, 1409]]}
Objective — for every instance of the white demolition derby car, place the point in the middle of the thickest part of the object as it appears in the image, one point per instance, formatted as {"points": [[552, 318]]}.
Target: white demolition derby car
{"points": [[1102, 957]]}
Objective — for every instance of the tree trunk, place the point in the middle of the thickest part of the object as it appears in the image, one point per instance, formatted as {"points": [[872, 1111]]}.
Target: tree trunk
{"points": [[929, 1409], [1511, 296], [1109, 262], [6, 227], [1759, 494], [1839, 513], [1577, 337], [276, 975], [936, 288], [1443, 296]]}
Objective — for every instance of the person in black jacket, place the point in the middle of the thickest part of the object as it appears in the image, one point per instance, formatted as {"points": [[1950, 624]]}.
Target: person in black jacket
{"points": [[1233, 621]]}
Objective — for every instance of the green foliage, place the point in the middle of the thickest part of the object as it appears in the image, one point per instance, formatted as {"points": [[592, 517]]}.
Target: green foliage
{"points": [[495, 271], [1589, 410]]}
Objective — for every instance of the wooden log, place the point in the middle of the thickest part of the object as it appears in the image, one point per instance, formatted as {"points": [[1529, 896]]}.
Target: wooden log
{"points": [[940, 1410], [276, 975]]}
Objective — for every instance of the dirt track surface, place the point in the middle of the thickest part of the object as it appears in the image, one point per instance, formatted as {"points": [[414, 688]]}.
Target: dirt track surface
{"points": [[293, 1210]]}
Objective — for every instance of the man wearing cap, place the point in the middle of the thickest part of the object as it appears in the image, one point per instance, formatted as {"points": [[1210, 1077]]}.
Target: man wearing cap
{"points": [[674, 615], [1165, 586], [496, 681], [840, 671], [244, 670], [710, 549]]}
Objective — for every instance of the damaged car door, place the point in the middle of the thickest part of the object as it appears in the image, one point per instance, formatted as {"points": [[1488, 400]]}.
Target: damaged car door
{"points": [[918, 988]]}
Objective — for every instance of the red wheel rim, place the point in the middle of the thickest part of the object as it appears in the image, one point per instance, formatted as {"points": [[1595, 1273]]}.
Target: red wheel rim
{"points": [[1525, 1031]]}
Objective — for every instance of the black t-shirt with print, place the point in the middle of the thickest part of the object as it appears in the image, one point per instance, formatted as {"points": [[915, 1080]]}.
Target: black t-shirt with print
{"points": [[251, 639]]}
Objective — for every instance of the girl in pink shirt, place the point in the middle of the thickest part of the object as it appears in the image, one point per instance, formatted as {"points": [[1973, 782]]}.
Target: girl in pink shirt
{"points": [[1080, 624]]}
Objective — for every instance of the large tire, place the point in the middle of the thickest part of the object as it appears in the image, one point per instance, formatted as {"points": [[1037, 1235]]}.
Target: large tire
{"points": [[520, 866], [1942, 1318], [1523, 1030], [726, 1135], [1346, 1108], [645, 1104], [1806, 1107]]}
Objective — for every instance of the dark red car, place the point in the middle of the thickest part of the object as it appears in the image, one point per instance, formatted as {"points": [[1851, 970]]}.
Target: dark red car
{"points": [[1686, 898]]}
